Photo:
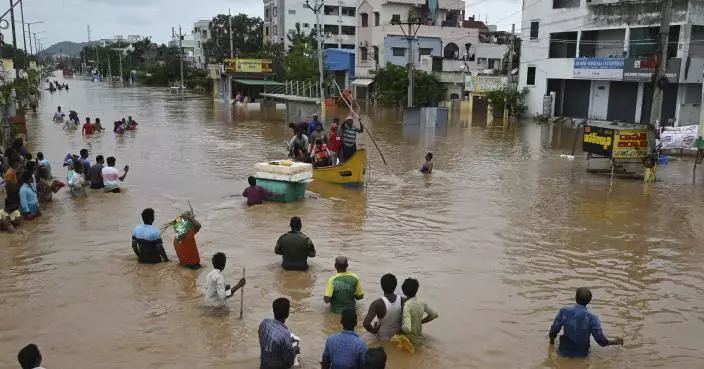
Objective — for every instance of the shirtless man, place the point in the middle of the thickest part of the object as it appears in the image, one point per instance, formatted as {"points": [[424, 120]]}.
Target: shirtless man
{"points": [[388, 310]]}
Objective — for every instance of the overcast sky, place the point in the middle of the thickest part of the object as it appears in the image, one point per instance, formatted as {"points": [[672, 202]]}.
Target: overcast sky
{"points": [[67, 20]]}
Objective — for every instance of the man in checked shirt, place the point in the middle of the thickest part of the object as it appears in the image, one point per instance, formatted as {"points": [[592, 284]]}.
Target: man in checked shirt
{"points": [[275, 340]]}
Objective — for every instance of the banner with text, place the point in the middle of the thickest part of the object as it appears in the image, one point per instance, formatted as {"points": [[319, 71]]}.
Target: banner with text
{"points": [[630, 144], [484, 83], [248, 66], [598, 68], [642, 70], [598, 140]]}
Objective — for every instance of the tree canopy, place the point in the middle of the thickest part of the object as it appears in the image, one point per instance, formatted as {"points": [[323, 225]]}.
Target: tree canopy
{"points": [[247, 37], [302, 57], [392, 87]]}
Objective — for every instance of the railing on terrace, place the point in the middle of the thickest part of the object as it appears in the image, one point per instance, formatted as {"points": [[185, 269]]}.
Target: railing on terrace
{"points": [[296, 88]]}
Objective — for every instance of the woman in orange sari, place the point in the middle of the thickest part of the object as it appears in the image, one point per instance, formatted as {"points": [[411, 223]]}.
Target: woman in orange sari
{"points": [[185, 241]]}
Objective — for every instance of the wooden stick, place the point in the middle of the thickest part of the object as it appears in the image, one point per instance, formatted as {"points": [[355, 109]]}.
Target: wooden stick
{"points": [[360, 122], [242, 296]]}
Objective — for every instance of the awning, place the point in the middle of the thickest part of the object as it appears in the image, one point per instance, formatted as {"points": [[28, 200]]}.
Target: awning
{"points": [[257, 82], [362, 82]]}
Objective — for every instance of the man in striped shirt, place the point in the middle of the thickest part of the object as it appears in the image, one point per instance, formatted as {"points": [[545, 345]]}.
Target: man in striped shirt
{"points": [[275, 340], [349, 137]]}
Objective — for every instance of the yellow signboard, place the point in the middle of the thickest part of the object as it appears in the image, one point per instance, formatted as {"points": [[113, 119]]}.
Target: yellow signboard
{"points": [[248, 66], [630, 144]]}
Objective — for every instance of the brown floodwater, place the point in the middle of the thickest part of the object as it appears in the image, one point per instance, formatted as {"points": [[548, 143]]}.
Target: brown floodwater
{"points": [[500, 235]]}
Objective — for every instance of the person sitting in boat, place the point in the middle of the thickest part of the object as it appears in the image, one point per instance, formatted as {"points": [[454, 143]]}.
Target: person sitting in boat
{"points": [[58, 116], [298, 147], [301, 126], [316, 135], [427, 167], [320, 155]]}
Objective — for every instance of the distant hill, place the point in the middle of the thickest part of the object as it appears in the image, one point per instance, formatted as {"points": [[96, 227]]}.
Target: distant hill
{"points": [[65, 47]]}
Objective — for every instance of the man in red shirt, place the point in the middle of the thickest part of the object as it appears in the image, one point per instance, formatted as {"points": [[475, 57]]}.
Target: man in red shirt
{"points": [[335, 142], [88, 128]]}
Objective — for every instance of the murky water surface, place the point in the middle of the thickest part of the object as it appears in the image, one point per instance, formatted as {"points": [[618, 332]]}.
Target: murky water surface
{"points": [[499, 237]]}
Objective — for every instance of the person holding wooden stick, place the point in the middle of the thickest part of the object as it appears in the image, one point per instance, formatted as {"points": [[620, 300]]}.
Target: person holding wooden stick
{"points": [[186, 227], [216, 291]]}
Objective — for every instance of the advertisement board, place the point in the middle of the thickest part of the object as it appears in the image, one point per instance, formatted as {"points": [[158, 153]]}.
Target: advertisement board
{"points": [[642, 70], [598, 68], [484, 83], [598, 140], [678, 137], [630, 144], [248, 66]]}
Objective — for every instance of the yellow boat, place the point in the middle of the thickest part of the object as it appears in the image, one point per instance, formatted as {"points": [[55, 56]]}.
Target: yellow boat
{"points": [[350, 173]]}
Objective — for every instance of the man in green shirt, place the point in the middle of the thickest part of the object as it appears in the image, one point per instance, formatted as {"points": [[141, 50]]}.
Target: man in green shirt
{"points": [[295, 247], [415, 312], [343, 289]]}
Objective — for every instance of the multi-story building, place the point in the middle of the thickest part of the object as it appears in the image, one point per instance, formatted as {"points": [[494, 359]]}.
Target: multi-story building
{"points": [[595, 59], [338, 21], [200, 35], [445, 43], [187, 44]]}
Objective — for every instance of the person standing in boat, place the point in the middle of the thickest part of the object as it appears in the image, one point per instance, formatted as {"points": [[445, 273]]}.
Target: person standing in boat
{"points": [[349, 137], [314, 124], [334, 142]]}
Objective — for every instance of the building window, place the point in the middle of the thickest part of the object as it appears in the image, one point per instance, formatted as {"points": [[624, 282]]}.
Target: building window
{"points": [[275, 12], [398, 51], [534, 28], [426, 51], [349, 11], [331, 10], [306, 25], [395, 18], [365, 19], [530, 77], [377, 16], [363, 54], [292, 11], [198, 42], [348, 30], [332, 29], [204, 34], [266, 14], [561, 4], [375, 51], [275, 30]]}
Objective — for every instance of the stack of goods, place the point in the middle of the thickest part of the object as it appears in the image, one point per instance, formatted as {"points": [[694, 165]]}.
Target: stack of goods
{"points": [[284, 170]]}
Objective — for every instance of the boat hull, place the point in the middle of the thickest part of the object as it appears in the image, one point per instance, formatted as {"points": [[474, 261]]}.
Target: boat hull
{"points": [[350, 173]]}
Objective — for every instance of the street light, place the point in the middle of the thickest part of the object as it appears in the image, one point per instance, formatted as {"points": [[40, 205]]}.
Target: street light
{"points": [[123, 51]]}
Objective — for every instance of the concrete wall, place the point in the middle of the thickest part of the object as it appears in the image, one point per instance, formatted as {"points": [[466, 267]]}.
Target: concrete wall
{"points": [[299, 111]]}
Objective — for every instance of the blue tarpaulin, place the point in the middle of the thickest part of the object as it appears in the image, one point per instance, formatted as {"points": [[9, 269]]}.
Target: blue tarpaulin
{"points": [[339, 60]]}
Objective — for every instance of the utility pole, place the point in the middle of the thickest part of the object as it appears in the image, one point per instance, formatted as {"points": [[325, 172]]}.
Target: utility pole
{"points": [[24, 37], [29, 31], [658, 88], [14, 37], [509, 86], [410, 36], [316, 8], [232, 55], [180, 50]]}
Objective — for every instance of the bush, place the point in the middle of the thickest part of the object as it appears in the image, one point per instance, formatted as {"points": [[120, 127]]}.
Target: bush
{"points": [[516, 101]]}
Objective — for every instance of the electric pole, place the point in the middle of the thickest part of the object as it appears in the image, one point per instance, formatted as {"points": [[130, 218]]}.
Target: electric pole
{"points": [[24, 37], [180, 50], [410, 36], [660, 80], [509, 68], [14, 37], [316, 8], [232, 55]]}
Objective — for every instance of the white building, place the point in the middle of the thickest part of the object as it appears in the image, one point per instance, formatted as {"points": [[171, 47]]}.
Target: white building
{"points": [[446, 44], [187, 44], [200, 35], [338, 20], [597, 58]]}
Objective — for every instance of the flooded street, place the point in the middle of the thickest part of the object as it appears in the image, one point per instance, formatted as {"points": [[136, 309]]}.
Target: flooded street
{"points": [[499, 237]]}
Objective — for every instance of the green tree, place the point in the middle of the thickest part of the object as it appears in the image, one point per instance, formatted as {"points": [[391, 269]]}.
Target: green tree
{"points": [[275, 52], [247, 37], [302, 56], [516, 101], [392, 87]]}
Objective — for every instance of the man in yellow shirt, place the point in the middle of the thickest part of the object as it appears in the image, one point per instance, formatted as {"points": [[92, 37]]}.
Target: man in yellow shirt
{"points": [[343, 289], [415, 312]]}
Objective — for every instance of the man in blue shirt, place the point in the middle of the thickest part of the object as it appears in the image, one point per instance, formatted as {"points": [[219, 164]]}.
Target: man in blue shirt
{"points": [[578, 324], [275, 339], [345, 350], [146, 240], [313, 125]]}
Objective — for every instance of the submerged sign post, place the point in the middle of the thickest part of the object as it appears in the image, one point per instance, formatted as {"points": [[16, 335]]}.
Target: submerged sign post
{"points": [[598, 141], [598, 68], [630, 144]]}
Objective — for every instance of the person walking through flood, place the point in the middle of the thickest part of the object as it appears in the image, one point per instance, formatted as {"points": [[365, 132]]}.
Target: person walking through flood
{"points": [[295, 247], [186, 227], [29, 357], [58, 116], [112, 177], [345, 350], [216, 291], [578, 324], [415, 313], [427, 167], [146, 240], [387, 310], [29, 202], [256, 194], [88, 128], [342, 289], [275, 340]]}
